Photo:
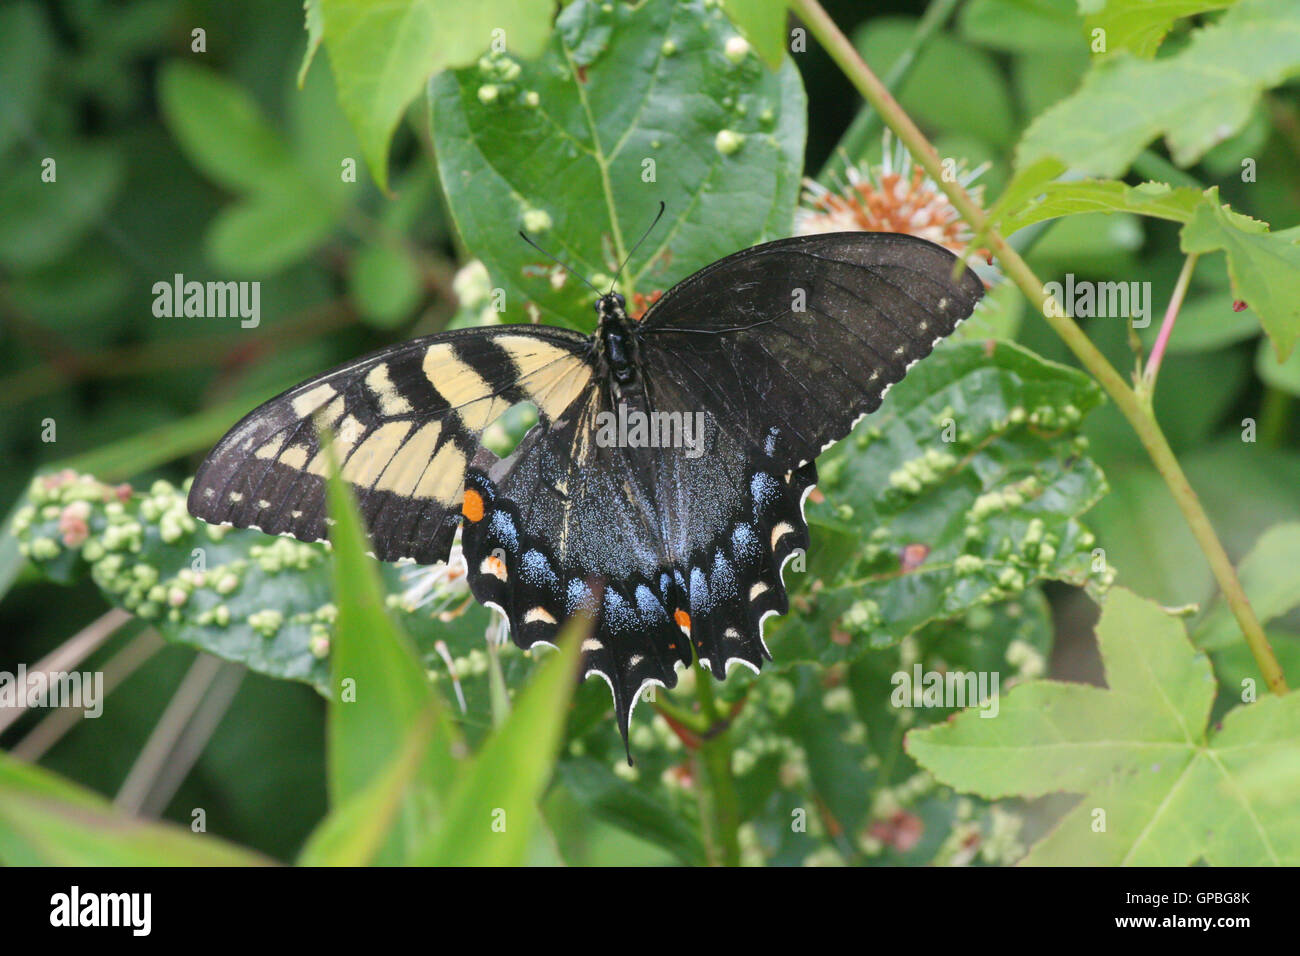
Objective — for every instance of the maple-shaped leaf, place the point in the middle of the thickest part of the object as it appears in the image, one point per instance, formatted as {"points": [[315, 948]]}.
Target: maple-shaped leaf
{"points": [[1159, 787]]}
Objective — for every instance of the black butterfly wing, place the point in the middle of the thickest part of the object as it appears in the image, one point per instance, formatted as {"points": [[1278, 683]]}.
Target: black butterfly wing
{"points": [[405, 422], [672, 546], [567, 525], [805, 335]]}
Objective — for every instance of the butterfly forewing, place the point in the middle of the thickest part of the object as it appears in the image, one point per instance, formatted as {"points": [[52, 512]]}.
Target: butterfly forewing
{"points": [[805, 335], [405, 424]]}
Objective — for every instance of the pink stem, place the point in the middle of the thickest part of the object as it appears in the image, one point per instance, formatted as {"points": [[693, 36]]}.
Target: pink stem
{"points": [[1167, 327]]}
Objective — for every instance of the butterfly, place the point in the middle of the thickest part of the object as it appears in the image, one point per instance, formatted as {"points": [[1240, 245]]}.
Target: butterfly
{"points": [[662, 489]]}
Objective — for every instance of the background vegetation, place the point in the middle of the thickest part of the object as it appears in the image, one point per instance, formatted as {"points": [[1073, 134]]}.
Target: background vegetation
{"points": [[986, 553]]}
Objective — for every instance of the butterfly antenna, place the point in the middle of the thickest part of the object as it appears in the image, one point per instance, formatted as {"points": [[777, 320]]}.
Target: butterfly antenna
{"points": [[559, 262], [644, 236]]}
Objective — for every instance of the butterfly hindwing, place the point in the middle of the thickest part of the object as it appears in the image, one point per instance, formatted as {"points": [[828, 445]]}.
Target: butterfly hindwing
{"points": [[630, 536], [405, 424]]}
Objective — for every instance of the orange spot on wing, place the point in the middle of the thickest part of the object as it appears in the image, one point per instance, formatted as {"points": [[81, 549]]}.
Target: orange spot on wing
{"points": [[473, 506], [683, 620]]}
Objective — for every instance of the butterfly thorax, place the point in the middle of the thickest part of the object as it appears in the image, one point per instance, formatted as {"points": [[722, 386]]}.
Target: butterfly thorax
{"points": [[618, 345]]}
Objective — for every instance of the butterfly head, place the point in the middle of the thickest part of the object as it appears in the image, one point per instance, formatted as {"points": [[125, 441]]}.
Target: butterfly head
{"points": [[612, 308]]}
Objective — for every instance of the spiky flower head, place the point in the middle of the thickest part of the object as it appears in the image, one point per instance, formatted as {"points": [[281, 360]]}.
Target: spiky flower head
{"points": [[894, 195]]}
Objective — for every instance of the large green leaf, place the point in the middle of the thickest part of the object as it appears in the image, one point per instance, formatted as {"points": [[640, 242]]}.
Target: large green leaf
{"points": [[1157, 788], [266, 602], [566, 148], [1264, 266], [916, 528], [383, 53], [48, 821], [1196, 98]]}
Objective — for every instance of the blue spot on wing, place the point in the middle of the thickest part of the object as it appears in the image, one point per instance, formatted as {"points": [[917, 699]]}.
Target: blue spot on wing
{"points": [[537, 570]]}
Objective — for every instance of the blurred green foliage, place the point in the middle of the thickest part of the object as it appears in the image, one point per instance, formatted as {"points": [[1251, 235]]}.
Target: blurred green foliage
{"points": [[228, 154]]}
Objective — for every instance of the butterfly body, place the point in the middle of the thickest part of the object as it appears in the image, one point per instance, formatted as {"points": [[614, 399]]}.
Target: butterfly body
{"points": [[661, 491]]}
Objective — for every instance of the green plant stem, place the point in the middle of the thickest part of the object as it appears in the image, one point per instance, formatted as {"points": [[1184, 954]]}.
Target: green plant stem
{"points": [[866, 125], [715, 756], [1126, 399], [691, 721]]}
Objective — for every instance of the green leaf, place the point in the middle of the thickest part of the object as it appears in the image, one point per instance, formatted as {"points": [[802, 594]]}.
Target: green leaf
{"points": [[43, 220], [763, 24], [1145, 537], [355, 831], [1268, 573], [1138, 752], [1196, 98], [271, 230], [1107, 196], [384, 283], [559, 147], [491, 815], [1280, 375], [1023, 26], [212, 587], [221, 129], [48, 821], [1026, 184], [625, 805], [26, 61], [915, 528], [315, 24], [383, 54], [1139, 26], [216, 588], [379, 693], [1264, 266]]}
